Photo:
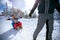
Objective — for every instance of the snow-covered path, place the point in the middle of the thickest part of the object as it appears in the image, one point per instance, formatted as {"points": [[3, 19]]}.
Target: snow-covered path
{"points": [[29, 26]]}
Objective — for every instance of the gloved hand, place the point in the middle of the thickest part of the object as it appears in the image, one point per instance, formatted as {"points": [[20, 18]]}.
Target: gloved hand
{"points": [[30, 14]]}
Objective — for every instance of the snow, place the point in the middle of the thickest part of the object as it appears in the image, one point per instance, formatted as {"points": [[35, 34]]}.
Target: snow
{"points": [[29, 25]]}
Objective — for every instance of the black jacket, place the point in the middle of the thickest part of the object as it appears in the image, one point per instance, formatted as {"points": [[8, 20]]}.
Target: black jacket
{"points": [[52, 5]]}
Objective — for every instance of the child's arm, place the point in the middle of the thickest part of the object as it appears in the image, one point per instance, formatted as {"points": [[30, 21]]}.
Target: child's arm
{"points": [[8, 19]]}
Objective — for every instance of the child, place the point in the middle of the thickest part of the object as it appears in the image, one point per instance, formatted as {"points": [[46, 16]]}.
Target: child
{"points": [[15, 23]]}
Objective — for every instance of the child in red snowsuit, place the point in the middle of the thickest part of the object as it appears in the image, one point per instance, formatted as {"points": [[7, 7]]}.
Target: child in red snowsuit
{"points": [[18, 25], [15, 23]]}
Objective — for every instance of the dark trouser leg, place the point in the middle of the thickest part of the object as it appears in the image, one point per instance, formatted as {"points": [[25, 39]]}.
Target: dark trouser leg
{"points": [[49, 27], [41, 22]]}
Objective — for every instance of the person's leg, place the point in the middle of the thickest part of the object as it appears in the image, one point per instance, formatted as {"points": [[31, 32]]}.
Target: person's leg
{"points": [[41, 22], [13, 24], [49, 28]]}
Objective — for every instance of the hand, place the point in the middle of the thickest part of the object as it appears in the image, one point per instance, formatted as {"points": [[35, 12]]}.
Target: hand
{"points": [[30, 15], [31, 12]]}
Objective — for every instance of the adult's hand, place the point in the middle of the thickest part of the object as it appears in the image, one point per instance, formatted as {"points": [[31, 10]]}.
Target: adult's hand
{"points": [[30, 14]]}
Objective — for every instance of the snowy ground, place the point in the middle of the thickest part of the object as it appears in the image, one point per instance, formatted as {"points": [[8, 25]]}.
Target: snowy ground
{"points": [[29, 26]]}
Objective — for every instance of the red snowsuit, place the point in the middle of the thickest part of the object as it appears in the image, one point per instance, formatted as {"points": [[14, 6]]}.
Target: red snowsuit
{"points": [[19, 24]]}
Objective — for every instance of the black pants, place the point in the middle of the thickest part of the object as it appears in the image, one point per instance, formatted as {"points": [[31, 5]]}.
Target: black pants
{"points": [[42, 19]]}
